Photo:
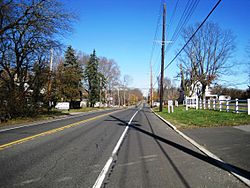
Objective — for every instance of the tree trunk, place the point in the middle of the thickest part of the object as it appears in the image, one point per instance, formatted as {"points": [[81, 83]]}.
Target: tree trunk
{"points": [[203, 90]]}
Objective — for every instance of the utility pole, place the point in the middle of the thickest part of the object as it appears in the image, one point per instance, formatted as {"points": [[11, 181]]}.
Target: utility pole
{"points": [[49, 79], [100, 94], [119, 100], [124, 100], [162, 56], [151, 86]]}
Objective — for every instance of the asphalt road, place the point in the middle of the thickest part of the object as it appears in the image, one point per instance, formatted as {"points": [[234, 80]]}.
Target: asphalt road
{"points": [[151, 155]]}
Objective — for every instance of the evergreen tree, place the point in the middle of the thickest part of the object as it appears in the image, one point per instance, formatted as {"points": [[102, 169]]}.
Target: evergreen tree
{"points": [[70, 75], [92, 78]]}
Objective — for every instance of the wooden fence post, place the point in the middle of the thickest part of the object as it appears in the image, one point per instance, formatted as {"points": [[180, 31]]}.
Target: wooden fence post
{"points": [[236, 106], [204, 103], [176, 103], [196, 102], [248, 106], [214, 106], [220, 105], [186, 100], [170, 106], [227, 105], [208, 104]]}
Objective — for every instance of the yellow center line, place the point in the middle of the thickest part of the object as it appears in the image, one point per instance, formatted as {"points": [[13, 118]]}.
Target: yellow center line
{"points": [[51, 131]]}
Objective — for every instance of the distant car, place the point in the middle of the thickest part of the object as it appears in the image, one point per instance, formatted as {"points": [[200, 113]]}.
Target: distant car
{"points": [[224, 97], [62, 106], [156, 104], [97, 104]]}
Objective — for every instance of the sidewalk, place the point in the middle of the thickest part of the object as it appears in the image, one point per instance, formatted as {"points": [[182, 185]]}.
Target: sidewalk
{"points": [[231, 144]]}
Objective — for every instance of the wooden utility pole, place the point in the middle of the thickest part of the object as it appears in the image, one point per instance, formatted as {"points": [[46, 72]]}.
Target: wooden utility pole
{"points": [[119, 100], [162, 57], [151, 86], [100, 93], [124, 101], [49, 79]]}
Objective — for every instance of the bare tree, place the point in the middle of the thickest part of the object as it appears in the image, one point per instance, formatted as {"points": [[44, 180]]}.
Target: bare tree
{"points": [[206, 56], [111, 72], [170, 91], [126, 81], [29, 29], [135, 95]]}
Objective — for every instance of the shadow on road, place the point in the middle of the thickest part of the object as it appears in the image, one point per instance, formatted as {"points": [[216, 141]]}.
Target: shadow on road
{"points": [[135, 125], [183, 180], [225, 166], [123, 122], [219, 164]]}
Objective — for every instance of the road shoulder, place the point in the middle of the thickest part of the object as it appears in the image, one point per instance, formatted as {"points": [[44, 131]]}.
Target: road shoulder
{"points": [[232, 144], [240, 173]]}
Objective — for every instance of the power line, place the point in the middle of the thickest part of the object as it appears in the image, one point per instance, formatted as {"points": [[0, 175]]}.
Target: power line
{"points": [[157, 57], [152, 52], [170, 22], [162, 56], [188, 11], [216, 5], [156, 32], [173, 14], [193, 35], [185, 17], [156, 61], [156, 81]]}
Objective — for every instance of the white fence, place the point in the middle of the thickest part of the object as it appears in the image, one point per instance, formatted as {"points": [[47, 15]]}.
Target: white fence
{"points": [[235, 106], [192, 102]]}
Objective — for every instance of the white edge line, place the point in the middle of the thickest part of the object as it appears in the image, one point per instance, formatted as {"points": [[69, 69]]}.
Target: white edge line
{"points": [[102, 175], [208, 153]]}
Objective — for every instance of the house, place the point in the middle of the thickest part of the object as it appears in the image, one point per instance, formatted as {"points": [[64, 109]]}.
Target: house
{"points": [[196, 90]]}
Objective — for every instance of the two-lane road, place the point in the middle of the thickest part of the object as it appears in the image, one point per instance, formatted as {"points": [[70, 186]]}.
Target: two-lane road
{"points": [[74, 151], [72, 157]]}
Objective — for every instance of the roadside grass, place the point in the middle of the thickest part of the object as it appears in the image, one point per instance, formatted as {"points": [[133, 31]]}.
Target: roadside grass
{"points": [[86, 109], [43, 116], [202, 118], [53, 114]]}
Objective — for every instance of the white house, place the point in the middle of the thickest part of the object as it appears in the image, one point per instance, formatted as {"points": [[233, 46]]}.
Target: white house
{"points": [[196, 90]]}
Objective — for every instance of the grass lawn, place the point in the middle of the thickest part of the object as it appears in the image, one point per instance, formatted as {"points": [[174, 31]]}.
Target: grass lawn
{"points": [[43, 116], [203, 118]]}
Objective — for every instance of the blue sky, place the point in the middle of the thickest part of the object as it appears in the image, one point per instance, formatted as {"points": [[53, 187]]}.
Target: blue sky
{"points": [[124, 31]]}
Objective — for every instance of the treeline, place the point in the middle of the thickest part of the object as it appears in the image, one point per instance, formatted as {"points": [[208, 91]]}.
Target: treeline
{"points": [[29, 30], [79, 76], [232, 92], [172, 92]]}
